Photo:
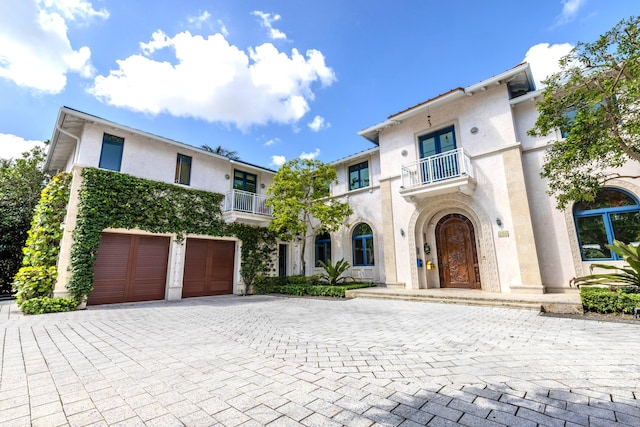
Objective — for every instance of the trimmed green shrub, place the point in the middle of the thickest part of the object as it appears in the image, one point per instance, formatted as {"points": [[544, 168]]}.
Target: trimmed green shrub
{"points": [[609, 300], [318, 290], [40, 305]]}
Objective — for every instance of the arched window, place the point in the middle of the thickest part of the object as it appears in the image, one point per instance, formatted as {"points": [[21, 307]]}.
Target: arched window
{"points": [[323, 248], [362, 239], [614, 214]]}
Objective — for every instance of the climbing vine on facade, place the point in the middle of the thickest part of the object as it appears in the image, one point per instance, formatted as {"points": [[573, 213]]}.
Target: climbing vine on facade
{"points": [[37, 276]]}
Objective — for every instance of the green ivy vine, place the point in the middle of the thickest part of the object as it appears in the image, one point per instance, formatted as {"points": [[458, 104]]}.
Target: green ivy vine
{"points": [[258, 247], [37, 276], [115, 200]]}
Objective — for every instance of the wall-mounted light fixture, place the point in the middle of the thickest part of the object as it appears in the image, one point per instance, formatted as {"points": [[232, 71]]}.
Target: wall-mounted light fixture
{"points": [[226, 176], [474, 130], [262, 185], [404, 153], [402, 232], [499, 222]]}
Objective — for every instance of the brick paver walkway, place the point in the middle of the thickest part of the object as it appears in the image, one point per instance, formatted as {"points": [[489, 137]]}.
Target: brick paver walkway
{"points": [[266, 360]]}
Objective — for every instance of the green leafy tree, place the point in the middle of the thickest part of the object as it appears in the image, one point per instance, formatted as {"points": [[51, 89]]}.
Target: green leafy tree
{"points": [[301, 204], [594, 102], [221, 151], [21, 181]]}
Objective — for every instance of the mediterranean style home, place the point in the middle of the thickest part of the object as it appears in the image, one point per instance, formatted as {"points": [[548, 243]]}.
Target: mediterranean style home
{"points": [[449, 196]]}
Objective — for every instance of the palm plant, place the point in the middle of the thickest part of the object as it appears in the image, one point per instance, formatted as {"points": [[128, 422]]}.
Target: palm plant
{"points": [[627, 275], [221, 151], [333, 273]]}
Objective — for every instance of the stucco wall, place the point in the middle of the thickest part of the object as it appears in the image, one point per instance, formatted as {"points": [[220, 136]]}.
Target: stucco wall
{"points": [[156, 160]]}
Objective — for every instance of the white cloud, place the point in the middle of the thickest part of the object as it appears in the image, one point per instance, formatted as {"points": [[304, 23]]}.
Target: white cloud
{"points": [[223, 28], [318, 123], [215, 81], [267, 20], [75, 9], [35, 51], [199, 20], [278, 160], [544, 58], [310, 156], [570, 9], [271, 142], [12, 146]]}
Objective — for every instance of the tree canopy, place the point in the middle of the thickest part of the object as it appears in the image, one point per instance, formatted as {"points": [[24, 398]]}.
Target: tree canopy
{"points": [[301, 204], [593, 102], [221, 151], [21, 181]]}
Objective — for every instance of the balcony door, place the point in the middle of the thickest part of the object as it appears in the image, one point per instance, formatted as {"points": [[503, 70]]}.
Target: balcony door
{"points": [[438, 166], [245, 182]]}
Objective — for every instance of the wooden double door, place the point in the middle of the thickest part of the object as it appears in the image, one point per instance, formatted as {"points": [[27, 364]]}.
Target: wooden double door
{"points": [[457, 254], [130, 268], [208, 268]]}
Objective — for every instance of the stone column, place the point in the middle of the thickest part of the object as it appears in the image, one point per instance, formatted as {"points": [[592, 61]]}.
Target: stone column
{"points": [[64, 258], [526, 252], [388, 236]]}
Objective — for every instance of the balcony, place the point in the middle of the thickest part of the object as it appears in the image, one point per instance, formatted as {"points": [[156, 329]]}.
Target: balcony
{"points": [[447, 172], [246, 207]]}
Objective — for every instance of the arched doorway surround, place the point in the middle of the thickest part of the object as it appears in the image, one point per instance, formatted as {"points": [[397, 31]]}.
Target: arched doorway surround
{"points": [[457, 255], [421, 230]]}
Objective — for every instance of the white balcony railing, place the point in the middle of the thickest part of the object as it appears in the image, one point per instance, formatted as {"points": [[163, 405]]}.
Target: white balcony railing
{"points": [[244, 201], [443, 166]]}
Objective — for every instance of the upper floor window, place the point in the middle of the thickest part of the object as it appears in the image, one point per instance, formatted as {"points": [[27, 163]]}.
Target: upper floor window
{"points": [[183, 170], [362, 239], [359, 176], [613, 215], [111, 154], [437, 142], [323, 248], [244, 181]]}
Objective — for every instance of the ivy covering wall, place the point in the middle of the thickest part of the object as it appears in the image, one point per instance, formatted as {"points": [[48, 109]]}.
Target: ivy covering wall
{"points": [[115, 200], [37, 276]]}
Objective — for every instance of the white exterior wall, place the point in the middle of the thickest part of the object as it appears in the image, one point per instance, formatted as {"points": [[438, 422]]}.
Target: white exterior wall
{"points": [[156, 160], [490, 112]]}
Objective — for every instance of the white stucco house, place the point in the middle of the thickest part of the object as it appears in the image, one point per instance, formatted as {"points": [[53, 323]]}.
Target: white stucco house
{"points": [[448, 196]]}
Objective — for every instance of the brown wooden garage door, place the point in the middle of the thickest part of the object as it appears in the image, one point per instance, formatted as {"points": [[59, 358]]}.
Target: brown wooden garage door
{"points": [[130, 268], [208, 268]]}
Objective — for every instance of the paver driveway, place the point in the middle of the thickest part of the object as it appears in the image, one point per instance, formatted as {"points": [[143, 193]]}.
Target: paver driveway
{"points": [[266, 360]]}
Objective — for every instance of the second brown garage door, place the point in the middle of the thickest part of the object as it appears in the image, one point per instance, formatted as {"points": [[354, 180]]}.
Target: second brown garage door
{"points": [[130, 268], [208, 268]]}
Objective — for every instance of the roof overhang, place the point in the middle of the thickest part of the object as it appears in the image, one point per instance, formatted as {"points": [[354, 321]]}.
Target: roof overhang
{"points": [[520, 74], [68, 131]]}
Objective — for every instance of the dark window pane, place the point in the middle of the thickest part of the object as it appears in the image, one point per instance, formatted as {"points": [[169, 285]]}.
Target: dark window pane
{"points": [[362, 230], [359, 175], [626, 226], [606, 198], [111, 155], [593, 237], [245, 181], [358, 252], [183, 169]]}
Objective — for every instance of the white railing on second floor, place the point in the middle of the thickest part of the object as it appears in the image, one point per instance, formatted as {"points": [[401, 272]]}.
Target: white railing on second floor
{"points": [[443, 166], [245, 201]]}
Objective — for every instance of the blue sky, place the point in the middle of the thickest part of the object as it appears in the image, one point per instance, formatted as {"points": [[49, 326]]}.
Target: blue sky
{"points": [[272, 80]]}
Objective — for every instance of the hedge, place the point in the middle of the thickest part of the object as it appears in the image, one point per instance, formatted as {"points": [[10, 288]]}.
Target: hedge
{"points": [[287, 285], [610, 300]]}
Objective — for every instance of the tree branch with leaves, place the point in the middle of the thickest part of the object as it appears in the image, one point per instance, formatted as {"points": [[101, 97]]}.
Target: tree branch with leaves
{"points": [[593, 101], [301, 204]]}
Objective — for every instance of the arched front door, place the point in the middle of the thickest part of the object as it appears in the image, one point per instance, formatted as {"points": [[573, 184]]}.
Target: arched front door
{"points": [[457, 255]]}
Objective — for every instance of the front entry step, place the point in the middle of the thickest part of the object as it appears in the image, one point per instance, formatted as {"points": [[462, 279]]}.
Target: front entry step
{"points": [[548, 303]]}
